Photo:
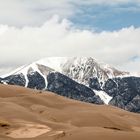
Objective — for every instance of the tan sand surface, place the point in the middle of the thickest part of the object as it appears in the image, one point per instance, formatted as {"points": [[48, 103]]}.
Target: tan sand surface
{"points": [[28, 130], [28, 114]]}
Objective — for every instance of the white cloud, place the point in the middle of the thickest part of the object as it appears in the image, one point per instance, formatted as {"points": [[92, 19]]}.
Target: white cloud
{"points": [[61, 38], [35, 12], [32, 12]]}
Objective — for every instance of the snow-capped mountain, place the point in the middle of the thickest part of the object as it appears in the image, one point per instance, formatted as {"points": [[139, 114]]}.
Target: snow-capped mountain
{"points": [[80, 69], [80, 78]]}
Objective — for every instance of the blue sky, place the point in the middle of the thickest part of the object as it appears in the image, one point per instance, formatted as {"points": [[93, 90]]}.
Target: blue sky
{"points": [[108, 30], [107, 17]]}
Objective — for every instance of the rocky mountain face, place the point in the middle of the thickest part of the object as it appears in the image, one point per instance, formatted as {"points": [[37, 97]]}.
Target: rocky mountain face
{"points": [[82, 79], [125, 92], [14, 80], [36, 81], [65, 86]]}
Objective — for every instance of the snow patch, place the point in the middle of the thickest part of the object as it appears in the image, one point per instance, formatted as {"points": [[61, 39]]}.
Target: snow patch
{"points": [[53, 62], [103, 96]]}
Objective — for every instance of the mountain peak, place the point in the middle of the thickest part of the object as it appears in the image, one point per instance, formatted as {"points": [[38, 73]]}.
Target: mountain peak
{"points": [[80, 69]]}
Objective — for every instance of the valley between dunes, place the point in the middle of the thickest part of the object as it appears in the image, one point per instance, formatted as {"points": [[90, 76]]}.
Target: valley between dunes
{"points": [[29, 114]]}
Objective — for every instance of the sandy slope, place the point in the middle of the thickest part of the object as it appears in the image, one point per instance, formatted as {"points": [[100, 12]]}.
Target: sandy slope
{"points": [[28, 114]]}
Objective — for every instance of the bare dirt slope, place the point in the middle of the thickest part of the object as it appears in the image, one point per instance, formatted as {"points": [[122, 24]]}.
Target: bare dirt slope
{"points": [[29, 114]]}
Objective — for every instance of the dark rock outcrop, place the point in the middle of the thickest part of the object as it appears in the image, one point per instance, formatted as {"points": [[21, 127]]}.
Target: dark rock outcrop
{"points": [[36, 81], [94, 83], [125, 92], [134, 105], [14, 80], [65, 86]]}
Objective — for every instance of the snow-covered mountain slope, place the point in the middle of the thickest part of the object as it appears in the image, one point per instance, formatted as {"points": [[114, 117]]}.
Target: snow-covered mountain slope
{"points": [[80, 69], [30, 70]]}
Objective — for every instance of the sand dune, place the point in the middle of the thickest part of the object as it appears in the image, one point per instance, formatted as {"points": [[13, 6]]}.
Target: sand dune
{"points": [[29, 114]]}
